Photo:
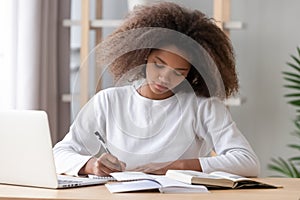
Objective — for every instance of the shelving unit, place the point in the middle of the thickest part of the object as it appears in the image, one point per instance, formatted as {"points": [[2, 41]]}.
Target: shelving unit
{"points": [[221, 13]]}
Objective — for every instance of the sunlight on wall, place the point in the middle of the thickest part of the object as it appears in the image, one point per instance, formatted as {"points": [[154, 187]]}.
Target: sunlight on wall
{"points": [[7, 58]]}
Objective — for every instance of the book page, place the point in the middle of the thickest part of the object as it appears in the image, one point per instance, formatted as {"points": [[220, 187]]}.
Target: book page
{"points": [[197, 174], [164, 184], [229, 176], [130, 176], [132, 186], [168, 182]]}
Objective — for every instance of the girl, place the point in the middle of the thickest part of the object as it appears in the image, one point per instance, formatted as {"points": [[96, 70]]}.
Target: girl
{"points": [[173, 67]]}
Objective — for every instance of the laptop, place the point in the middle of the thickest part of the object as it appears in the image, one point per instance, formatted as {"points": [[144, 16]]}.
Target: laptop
{"points": [[26, 155]]}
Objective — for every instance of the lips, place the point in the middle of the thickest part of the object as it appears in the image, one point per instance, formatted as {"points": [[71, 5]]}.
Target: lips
{"points": [[160, 87]]}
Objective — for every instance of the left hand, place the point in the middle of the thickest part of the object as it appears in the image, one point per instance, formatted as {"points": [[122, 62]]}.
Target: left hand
{"points": [[153, 168], [162, 168]]}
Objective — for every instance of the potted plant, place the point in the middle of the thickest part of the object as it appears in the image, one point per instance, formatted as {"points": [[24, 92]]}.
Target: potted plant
{"points": [[290, 166]]}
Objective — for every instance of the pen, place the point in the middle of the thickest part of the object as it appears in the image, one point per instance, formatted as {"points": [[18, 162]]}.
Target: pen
{"points": [[102, 141]]}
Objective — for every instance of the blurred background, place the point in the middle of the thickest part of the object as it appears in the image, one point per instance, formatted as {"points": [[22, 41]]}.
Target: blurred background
{"points": [[44, 63]]}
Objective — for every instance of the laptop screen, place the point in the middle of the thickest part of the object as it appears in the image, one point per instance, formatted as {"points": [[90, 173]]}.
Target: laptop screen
{"points": [[25, 149]]}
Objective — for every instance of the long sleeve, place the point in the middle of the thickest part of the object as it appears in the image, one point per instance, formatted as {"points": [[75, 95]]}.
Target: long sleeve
{"points": [[234, 153], [80, 144], [122, 116], [67, 160]]}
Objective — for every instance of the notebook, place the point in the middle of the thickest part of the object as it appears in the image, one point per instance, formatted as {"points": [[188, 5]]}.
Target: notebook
{"points": [[26, 155], [139, 181]]}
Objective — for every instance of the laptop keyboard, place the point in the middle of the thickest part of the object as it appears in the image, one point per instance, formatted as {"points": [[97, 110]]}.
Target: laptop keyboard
{"points": [[69, 183], [66, 181]]}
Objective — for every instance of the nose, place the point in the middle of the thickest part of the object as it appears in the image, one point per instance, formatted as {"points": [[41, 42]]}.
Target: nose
{"points": [[165, 75]]}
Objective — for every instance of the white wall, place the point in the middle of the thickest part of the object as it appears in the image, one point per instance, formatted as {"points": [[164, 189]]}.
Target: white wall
{"points": [[271, 34], [262, 49]]}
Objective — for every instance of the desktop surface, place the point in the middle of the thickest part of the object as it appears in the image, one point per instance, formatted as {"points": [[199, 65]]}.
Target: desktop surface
{"points": [[290, 190]]}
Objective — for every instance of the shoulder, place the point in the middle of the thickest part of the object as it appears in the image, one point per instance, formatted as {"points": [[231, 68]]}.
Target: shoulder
{"points": [[211, 107], [113, 91], [104, 98], [200, 102], [210, 102]]}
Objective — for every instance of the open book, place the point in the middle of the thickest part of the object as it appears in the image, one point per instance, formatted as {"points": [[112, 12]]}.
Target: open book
{"points": [[139, 181], [216, 179]]}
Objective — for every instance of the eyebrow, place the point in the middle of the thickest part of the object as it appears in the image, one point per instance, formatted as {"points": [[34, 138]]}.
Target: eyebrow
{"points": [[163, 62]]}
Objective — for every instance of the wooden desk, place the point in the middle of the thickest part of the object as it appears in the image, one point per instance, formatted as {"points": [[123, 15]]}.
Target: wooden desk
{"points": [[291, 190]]}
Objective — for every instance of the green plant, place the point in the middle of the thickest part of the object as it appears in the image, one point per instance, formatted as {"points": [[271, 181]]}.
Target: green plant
{"points": [[290, 167]]}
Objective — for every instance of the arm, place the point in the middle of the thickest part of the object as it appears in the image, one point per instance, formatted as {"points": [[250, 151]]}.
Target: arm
{"points": [[74, 155], [234, 153], [70, 154]]}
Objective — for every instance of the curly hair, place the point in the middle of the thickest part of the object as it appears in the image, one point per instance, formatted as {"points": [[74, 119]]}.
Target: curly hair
{"points": [[190, 23]]}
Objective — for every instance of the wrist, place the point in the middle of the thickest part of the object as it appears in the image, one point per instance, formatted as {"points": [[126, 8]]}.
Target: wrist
{"points": [[188, 164], [88, 167]]}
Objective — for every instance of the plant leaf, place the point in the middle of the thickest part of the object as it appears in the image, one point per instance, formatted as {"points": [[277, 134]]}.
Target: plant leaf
{"points": [[294, 102], [294, 146], [277, 162], [292, 87], [296, 133], [289, 74], [278, 169], [294, 159], [292, 65], [282, 167], [288, 168], [286, 164], [296, 59], [292, 80], [292, 95], [296, 173], [297, 124]]}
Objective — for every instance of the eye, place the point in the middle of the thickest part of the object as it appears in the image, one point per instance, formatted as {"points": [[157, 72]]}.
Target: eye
{"points": [[158, 65], [177, 73]]}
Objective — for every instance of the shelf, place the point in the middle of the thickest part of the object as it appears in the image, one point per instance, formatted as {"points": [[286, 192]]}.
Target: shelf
{"points": [[233, 25], [105, 23], [98, 23]]}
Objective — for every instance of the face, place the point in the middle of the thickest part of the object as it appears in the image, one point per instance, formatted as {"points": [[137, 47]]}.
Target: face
{"points": [[165, 71]]}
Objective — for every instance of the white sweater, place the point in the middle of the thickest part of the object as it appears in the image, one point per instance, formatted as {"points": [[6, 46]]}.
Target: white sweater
{"points": [[139, 130]]}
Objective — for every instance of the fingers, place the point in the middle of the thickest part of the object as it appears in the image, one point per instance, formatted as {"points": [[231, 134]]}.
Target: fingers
{"points": [[153, 168], [111, 162], [107, 164], [123, 166], [101, 170]]}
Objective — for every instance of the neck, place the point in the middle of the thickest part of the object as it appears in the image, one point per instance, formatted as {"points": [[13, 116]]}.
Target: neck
{"points": [[146, 91]]}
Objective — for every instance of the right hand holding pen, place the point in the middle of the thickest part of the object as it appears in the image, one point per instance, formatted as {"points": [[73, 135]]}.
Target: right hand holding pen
{"points": [[106, 164]]}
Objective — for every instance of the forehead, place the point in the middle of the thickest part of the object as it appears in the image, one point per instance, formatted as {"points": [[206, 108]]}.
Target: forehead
{"points": [[171, 49], [170, 55]]}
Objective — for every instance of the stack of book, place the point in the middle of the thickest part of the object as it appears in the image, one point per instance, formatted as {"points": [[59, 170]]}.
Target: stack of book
{"points": [[180, 181]]}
